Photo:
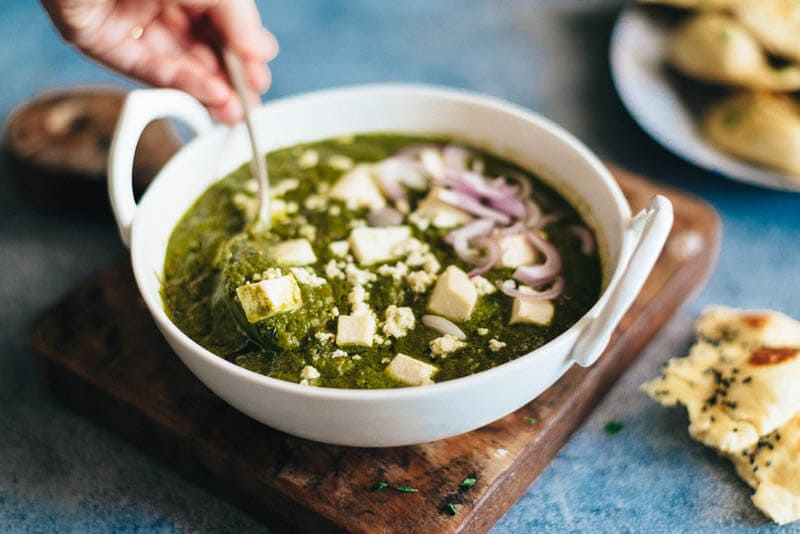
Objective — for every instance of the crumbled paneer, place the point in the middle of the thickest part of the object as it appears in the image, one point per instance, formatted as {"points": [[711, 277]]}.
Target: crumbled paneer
{"points": [[308, 231], [445, 345], [339, 162], [333, 270], [338, 353], [308, 159], [340, 248], [399, 320], [396, 271], [315, 203], [308, 375], [284, 186], [272, 272], [483, 331], [358, 301], [324, 337], [496, 346], [420, 281], [359, 277], [335, 210], [307, 277], [484, 286], [247, 204]]}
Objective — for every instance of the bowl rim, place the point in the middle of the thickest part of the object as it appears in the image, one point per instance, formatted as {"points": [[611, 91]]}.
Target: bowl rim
{"points": [[621, 207]]}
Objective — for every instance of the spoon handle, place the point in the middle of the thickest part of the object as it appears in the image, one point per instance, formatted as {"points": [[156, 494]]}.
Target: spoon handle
{"points": [[233, 64]]}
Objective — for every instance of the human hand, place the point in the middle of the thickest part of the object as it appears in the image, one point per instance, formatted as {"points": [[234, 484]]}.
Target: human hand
{"points": [[173, 43]]}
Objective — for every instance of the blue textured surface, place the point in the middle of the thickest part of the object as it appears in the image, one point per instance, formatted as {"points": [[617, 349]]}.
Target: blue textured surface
{"points": [[61, 472]]}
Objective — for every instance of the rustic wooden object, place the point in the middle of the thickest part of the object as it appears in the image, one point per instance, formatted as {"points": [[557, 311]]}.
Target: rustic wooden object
{"points": [[99, 351], [57, 144]]}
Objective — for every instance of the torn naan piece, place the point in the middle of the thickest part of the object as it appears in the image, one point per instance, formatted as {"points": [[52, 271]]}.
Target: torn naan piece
{"points": [[759, 127], [775, 23], [705, 5], [772, 468], [715, 48], [740, 383]]}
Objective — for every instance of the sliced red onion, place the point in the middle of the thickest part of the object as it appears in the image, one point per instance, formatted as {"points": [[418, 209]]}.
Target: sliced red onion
{"points": [[544, 272], [384, 217], [445, 326], [586, 237], [516, 228], [550, 218], [477, 186], [476, 228], [405, 172], [463, 201], [489, 260], [526, 292], [393, 190], [525, 188], [533, 214], [455, 157]]}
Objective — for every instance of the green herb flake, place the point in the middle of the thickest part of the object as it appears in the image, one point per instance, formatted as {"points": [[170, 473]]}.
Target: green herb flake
{"points": [[614, 427], [379, 486], [451, 509], [468, 482], [531, 420], [406, 489]]}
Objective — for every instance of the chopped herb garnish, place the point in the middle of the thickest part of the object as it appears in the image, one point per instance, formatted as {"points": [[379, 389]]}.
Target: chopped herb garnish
{"points": [[468, 482], [379, 486], [406, 489], [531, 420], [613, 427], [451, 509]]}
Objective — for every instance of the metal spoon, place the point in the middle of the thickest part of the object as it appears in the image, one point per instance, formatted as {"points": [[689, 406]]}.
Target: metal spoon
{"points": [[233, 64]]}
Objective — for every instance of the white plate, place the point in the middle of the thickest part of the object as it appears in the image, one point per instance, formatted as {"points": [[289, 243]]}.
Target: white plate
{"points": [[668, 108]]}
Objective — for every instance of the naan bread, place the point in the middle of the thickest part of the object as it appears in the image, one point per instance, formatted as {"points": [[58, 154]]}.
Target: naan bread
{"points": [[695, 4], [715, 48], [740, 382], [759, 127], [772, 468], [775, 23]]}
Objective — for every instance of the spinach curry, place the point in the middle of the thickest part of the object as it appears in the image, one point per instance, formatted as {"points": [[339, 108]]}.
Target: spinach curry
{"points": [[364, 243]]}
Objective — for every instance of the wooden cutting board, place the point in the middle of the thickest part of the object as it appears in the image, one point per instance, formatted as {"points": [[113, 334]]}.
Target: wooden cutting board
{"points": [[100, 352]]}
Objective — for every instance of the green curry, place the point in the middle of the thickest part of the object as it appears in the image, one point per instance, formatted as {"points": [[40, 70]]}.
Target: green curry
{"points": [[215, 256]]}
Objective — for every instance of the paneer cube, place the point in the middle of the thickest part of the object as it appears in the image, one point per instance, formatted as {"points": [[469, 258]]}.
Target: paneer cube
{"points": [[530, 311], [355, 330], [516, 250], [357, 189], [294, 252], [411, 371], [454, 295], [438, 213], [376, 245], [267, 298]]}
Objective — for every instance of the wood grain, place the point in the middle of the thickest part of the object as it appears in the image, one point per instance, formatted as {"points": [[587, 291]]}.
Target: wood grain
{"points": [[100, 352]]}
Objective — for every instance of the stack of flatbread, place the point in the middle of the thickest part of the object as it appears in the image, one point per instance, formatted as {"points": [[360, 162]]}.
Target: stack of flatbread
{"points": [[741, 387], [752, 46]]}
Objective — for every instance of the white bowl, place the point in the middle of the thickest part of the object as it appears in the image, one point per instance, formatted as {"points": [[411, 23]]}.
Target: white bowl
{"points": [[375, 418]]}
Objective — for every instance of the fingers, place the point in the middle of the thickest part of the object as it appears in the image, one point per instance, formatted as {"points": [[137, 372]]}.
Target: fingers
{"points": [[239, 24]]}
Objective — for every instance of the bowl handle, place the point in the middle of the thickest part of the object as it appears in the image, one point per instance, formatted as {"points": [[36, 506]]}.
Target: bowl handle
{"points": [[649, 229], [142, 107]]}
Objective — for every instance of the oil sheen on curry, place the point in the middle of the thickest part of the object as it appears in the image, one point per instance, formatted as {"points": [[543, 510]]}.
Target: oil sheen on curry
{"points": [[391, 261]]}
